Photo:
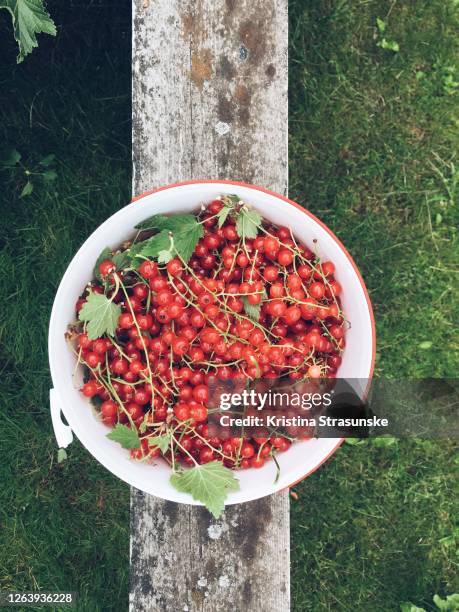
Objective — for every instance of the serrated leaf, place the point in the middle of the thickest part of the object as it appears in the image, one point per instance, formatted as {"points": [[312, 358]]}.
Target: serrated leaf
{"points": [[106, 254], [100, 314], [48, 160], [26, 190], [165, 256], [223, 215], [49, 175], [61, 455], [127, 437], [122, 260], [13, 157], [185, 241], [155, 244], [162, 442], [209, 483], [247, 223], [251, 310], [172, 223], [186, 232], [29, 18]]}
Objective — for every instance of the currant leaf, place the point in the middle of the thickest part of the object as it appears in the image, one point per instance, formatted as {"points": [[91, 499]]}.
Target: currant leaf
{"points": [[209, 483], [155, 244], [247, 223], [162, 442], [127, 437], [223, 215], [251, 310], [173, 223], [29, 18], [100, 314]]}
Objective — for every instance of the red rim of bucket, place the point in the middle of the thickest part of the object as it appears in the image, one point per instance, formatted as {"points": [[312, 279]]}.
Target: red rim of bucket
{"points": [[341, 245]]}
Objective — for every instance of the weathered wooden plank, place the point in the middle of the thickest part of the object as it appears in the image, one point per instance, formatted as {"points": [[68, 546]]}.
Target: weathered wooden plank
{"points": [[209, 101]]}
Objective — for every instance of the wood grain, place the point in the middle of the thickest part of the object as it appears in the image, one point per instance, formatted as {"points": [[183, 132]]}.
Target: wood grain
{"points": [[209, 101]]}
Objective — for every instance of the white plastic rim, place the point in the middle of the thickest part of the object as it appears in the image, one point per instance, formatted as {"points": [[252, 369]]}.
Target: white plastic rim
{"points": [[358, 358]]}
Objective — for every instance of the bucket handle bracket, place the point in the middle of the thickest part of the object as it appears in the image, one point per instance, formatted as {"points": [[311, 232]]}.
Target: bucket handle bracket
{"points": [[63, 432]]}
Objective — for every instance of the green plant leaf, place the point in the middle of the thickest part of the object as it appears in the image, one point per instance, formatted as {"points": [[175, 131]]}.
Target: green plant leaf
{"points": [[127, 437], [450, 604], [122, 260], [407, 606], [223, 215], [48, 160], [251, 310], [49, 175], [185, 241], [165, 256], [391, 45], [185, 231], [105, 254], [208, 483], [26, 190], [100, 314], [426, 344], [155, 244], [381, 25], [12, 158], [247, 223], [172, 223], [61, 455], [162, 442], [29, 18]]}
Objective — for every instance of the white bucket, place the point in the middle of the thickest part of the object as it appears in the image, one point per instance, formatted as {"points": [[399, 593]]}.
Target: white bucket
{"points": [[303, 457]]}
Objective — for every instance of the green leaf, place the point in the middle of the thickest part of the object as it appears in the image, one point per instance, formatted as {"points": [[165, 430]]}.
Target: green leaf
{"points": [[100, 314], [48, 160], [383, 442], [26, 190], [29, 18], [391, 45], [162, 442], [185, 241], [450, 604], [13, 157], [155, 244], [49, 175], [165, 256], [251, 310], [247, 223], [61, 455], [381, 24], [208, 483], [122, 260], [127, 437], [426, 344], [172, 223], [106, 254], [223, 215], [185, 230], [407, 606]]}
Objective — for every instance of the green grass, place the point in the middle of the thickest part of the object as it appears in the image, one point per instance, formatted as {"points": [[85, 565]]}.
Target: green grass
{"points": [[372, 152]]}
